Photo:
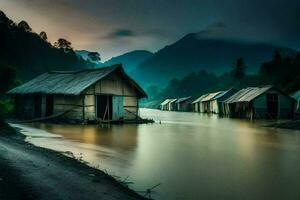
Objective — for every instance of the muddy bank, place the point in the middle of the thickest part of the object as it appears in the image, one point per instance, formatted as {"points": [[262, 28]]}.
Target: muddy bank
{"points": [[30, 172]]}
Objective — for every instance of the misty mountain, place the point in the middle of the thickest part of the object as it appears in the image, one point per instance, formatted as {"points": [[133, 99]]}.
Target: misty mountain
{"points": [[192, 53], [84, 55], [131, 59]]}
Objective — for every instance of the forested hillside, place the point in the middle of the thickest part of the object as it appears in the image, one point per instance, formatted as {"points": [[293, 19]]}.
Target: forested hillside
{"points": [[130, 60], [193, 53], [30, 53], [280, 71]]}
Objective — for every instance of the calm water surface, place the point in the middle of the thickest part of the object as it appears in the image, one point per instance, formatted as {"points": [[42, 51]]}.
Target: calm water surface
{"points": [[193, 156]]}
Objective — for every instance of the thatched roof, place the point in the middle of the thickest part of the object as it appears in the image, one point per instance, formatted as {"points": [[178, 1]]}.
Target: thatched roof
{"points": [[165, 102], [71, 82], [173, 100], [210, 96], [222, 93], [183, 99], [199, 98], [248, 94]]}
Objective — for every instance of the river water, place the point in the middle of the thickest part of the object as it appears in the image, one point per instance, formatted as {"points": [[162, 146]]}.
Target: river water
{"points": [[193, 156]]}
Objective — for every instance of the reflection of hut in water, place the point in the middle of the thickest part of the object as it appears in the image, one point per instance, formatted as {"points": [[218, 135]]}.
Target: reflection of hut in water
{"points": [[259, 102], [106, 93]]}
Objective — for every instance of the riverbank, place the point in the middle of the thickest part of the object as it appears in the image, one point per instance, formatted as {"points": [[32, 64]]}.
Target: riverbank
{"points": [[28, 172]]}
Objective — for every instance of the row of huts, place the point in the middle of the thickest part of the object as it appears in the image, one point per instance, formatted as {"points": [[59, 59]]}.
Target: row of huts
{"points": [[104, 94], [251, 102], [180, 104]]}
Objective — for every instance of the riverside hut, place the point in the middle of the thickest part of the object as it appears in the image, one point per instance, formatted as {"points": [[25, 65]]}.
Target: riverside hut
{"points": [[196, 104], [206, 102], [260, 102], [164, 104], [171, 105], [184, 104], [103, 94], [218, 101]]}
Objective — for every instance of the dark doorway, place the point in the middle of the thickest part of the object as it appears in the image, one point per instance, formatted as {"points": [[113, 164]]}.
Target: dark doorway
{"points": [[49, 105], [272, 105], [104, 107], [37, 106]]}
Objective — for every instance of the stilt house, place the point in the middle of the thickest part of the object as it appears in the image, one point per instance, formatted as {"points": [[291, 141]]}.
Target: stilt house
{"points": [[171, 105], [260, 102], [218, 101], [184, 104], [164, 105], [206, 102], [196, 104], [106, 93]]}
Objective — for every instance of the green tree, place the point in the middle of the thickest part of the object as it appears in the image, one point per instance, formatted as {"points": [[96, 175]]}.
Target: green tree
{"points": [[7, 78], [43, 35], [24, 26], [5, 20], [238, 71], [63, 44], [94, 56]]}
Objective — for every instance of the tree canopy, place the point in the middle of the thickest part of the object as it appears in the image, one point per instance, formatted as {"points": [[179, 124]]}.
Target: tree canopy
{"points": [[24, 26], [238, 71], [30, 54], [43, 35], [63, 44], [94, 56], [281, 71]]}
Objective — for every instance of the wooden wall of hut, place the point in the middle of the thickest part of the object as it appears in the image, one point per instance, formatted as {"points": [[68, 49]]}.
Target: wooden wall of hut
{"points": [[113, 85], [80, 107], [284, 108]]}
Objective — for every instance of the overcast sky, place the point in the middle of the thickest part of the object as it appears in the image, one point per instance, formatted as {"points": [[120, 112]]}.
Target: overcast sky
{"points": [[112, 27]]}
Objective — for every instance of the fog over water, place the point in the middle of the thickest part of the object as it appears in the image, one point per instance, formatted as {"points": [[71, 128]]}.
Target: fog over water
{"points": [[193, 156]]}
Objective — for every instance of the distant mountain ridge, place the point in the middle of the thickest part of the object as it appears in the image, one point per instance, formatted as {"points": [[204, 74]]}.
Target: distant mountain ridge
{"points": [[131, 59], [192, 53], [84, 55]]}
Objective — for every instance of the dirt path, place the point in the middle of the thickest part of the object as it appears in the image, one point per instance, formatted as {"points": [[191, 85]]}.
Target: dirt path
{"points": [[30, 172]]}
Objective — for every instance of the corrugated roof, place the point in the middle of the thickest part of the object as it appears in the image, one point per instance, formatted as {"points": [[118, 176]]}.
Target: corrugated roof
{"points": [[248, 94], [210, 96], [296, 95], [199, 98], [183, 99], [70, 82], [165, 102], [172, 100], [222, 93]]}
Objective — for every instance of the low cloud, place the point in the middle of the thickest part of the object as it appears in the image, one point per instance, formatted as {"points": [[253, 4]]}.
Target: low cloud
{"points": [[213, 30], [120, 33]]}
